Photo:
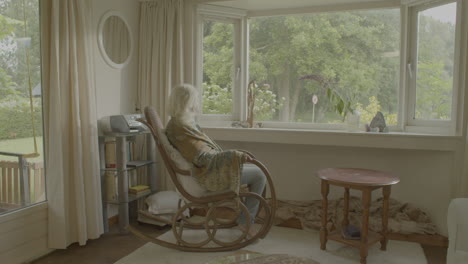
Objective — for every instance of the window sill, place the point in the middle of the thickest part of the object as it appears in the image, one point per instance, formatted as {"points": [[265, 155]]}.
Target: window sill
{"points": [[391, 140], [23, 212]]}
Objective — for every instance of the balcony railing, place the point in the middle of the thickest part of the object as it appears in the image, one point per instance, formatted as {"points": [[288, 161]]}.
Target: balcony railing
{"points": [[21, 183]]}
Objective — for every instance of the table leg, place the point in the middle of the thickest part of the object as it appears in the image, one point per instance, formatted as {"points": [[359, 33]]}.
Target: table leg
{"points": [[386, 195], [345, 222], [323, 230], [366, 198]]}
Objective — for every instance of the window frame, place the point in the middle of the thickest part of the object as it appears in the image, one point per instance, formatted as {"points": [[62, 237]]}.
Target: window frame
{"points": [[398, 127], [238, 19], [444, 126], [26, 201], [406, 96]]}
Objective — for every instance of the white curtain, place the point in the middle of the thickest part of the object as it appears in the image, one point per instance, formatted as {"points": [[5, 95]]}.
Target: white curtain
{"points": [[165, 55], [71, 143]]}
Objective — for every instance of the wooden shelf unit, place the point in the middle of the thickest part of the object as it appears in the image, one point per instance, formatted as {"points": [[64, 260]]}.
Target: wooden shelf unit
{"points": [[122, 167]]}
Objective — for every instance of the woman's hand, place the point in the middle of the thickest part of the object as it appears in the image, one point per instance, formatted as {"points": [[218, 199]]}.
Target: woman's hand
{"points": [[249, 155], [248, 159]]}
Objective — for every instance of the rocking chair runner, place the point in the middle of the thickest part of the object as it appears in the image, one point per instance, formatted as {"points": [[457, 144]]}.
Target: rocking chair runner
{"points": [[195, 198]]}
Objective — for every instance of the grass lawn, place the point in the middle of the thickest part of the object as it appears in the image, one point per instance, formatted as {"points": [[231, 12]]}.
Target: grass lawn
{"points": [[22, 146]]}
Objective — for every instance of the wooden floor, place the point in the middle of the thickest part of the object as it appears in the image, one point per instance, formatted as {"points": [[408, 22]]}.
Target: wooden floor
{"points": [[113, 246], [109, 248]]}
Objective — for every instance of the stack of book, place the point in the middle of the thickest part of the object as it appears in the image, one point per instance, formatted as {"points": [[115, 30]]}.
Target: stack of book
{"points": [[139, 190]]}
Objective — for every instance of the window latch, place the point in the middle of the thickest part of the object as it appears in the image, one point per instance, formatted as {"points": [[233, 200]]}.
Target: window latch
{"points": [[410, 70]]}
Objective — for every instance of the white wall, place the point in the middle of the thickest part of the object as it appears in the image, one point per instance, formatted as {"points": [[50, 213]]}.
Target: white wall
{"points": [[116, 88], [23, 234], [424, 174]]}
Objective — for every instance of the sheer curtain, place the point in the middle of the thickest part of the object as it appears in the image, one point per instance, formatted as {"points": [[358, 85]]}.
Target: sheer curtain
{"points": [[165, 55], [71, 143]]}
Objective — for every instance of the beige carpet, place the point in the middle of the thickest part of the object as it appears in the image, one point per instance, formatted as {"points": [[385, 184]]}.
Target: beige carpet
{"points": [[282, 240]]}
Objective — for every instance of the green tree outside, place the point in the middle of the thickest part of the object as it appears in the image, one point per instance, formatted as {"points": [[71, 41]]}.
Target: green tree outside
{"points": [[16, 36], [353, 57]]}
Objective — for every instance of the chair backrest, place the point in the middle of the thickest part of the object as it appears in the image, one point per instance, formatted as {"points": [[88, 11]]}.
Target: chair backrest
{"points": [[177, 166]]}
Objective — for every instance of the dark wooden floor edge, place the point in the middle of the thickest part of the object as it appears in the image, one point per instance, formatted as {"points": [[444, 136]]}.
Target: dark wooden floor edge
{"points": [[114, 220]]}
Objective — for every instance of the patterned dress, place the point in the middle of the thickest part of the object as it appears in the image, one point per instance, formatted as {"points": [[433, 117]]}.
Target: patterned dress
{"points": [[214, 168]]}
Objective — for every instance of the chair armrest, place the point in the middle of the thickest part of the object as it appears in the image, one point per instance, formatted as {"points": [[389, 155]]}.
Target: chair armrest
{"points": [[248, 153]]}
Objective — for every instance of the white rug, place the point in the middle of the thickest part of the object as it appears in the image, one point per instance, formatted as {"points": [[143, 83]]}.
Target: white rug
{"points": [[282, 240]]}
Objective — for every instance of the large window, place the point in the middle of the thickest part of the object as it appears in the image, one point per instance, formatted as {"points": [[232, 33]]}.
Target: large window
{"points": [[433, 50], [346, 60], [218, 66], [22, 180], [315, 70]]}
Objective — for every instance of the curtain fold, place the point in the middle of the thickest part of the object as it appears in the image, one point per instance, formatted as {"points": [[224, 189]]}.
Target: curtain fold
{"points": [[165, 56], [70, 123]]}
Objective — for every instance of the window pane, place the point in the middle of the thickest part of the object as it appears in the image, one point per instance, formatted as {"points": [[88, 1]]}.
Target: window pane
{"points": [[218, 67], [436, 46], [348, 60], [20, 74]]}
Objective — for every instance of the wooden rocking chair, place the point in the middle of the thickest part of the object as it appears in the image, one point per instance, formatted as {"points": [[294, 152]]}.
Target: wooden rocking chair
{"points": [[195, 198]]}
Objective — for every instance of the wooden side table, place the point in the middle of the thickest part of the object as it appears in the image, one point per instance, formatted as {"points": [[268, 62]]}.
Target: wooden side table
{"points": [[366, 181]]}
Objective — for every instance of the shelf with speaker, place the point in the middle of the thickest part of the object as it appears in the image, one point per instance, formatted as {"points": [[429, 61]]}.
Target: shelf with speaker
{"points": [[122, 175]]}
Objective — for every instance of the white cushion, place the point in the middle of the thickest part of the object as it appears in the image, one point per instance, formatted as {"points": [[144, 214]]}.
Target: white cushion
{"points": [[164, 202]]}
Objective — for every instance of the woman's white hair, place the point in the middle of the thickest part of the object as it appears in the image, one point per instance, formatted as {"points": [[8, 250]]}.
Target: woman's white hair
{"points": [[183, 102]]}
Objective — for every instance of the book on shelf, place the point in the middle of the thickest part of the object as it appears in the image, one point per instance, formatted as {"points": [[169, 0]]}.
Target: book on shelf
{"points": [[110, 154], [139, 193], [138, 189], [111, 186]]}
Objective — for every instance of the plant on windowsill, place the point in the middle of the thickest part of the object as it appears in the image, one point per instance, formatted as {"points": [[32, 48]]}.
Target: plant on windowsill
{"points": [[261, 103], [341, 104], [250, 103]]}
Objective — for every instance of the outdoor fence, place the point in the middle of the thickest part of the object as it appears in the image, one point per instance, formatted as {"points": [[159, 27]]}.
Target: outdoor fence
{"points": [[10, 183]]}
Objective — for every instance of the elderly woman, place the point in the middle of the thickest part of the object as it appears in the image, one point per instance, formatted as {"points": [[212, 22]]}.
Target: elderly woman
{"points": [[214, 168]]}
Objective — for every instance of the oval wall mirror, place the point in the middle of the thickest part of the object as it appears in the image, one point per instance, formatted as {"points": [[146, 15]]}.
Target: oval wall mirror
{"points": [[115, 39]]}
